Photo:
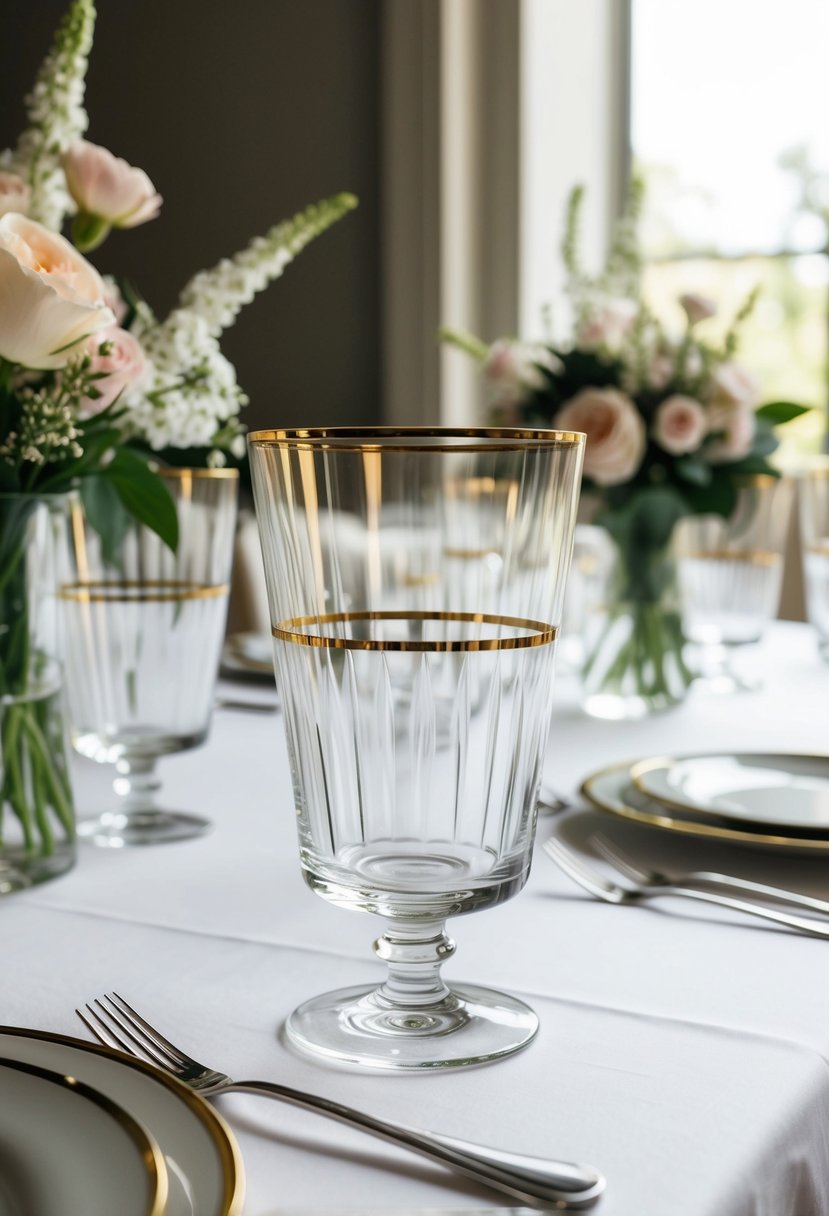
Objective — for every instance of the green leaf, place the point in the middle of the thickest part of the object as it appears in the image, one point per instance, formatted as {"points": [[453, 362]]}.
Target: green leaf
{"points": [[144, 495], [106, 514], [697, 472], [764, 442], [775, 413]]}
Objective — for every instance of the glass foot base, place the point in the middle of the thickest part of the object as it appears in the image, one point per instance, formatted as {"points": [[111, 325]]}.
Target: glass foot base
{"points": [[357, 1026], [119, 830], [20, 870]]}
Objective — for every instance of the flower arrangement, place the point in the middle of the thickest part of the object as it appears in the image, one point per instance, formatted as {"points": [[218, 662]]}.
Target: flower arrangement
{"points": [[95, 390], [673, 424]]}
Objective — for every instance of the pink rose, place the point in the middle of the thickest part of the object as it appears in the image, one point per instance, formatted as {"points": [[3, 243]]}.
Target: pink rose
{"points": [[15, 195], [512, 370], [123, 366], [607, 324], [106, 187], [679, 425], [51, 299], [733, 384], [114, 300], [736, 425], [615, 433], [697, 308]]}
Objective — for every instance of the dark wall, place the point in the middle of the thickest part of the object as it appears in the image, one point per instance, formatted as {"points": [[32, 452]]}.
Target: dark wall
{"points": [[242, 113]]}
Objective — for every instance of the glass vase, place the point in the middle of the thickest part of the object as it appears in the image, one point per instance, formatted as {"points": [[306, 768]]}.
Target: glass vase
{"points": [[37, 819], [634, 639]]}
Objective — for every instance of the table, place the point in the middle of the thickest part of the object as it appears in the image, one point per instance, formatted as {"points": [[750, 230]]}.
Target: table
{"points": [[682, 1050]]}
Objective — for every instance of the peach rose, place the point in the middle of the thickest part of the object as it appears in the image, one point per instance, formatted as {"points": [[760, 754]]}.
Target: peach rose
{"points": [[732, 384], [615, 433], [679, 425], [697, 308], [124, 365], [108, 188], [15, 194], [51, 299], [607, 324], [735, 424], [512, 370]]}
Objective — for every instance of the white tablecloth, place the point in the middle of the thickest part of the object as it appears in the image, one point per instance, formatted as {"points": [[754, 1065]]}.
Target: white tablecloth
{"points": [[682, 1050]]}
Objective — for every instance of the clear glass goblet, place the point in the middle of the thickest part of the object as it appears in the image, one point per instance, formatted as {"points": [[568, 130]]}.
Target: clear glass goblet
{"points": [[144, 629], [813, 498], [416, 688], [730, 573]]}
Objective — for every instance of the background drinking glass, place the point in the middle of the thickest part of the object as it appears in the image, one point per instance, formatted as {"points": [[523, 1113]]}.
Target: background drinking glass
{"points": [[144, 630], [730, 575], [813, 498], [417, 701]]}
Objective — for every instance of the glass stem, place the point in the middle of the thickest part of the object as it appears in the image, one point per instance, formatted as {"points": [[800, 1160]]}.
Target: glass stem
{"points": [[137, 785], [414, 954]]}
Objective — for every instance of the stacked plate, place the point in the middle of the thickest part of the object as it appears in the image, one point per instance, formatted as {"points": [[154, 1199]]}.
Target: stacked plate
{"points": [[85, 1131], [771, 801], [248, 655]]}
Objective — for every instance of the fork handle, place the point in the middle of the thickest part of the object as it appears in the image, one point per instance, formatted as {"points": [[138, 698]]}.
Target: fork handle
{"points": [[562, 1183], [801, 923], [730, 882]]}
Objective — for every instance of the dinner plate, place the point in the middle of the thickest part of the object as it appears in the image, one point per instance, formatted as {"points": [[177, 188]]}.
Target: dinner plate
{"points": [[785, 792], [203, 1161], [248, 654], [611, 789], [57, 1135]]}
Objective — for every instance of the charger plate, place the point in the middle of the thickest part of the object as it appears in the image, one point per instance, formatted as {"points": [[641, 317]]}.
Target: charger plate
{"points": [[203, 1161], [611, 789], [68, 1150], [782, 792]]}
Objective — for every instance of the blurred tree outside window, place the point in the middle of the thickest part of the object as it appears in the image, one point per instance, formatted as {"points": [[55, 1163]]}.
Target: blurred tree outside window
{"points": [[730, 132]]}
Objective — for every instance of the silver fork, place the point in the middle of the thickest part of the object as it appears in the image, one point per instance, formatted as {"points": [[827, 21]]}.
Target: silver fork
{"points": [[615, 893], [563, 1184], [702, 879]]}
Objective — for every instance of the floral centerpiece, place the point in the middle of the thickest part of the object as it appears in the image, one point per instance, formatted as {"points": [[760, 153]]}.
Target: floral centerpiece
{"points": [[673, 423], [95, 391]]}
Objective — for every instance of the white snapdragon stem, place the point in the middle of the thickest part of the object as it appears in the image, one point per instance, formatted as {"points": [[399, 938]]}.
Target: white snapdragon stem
{"points": [[217, 295], [57, 117]]}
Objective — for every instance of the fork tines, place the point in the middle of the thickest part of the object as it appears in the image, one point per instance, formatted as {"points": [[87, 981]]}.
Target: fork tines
{"points": [[115, 1023]]}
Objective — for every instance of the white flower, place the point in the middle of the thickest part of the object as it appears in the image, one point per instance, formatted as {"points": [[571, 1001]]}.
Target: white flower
{"points": [[56, 117], [217, 295]]}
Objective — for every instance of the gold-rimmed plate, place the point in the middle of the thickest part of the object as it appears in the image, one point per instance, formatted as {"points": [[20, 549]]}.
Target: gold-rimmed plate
{"points": [[248, 655], [784, 792], [68, 1150], [203, 1162], [611, 789]]}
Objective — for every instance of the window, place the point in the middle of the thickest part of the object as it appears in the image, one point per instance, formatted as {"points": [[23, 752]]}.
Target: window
{"points": [[729, 130]]}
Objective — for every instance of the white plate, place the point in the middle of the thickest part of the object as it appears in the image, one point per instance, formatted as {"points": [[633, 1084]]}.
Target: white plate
{"points": [[778, 791], [611, 789], [248, 654], [66, 1150], [203, 1161]]}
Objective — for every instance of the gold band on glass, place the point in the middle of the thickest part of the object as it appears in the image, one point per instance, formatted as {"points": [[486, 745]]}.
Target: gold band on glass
{"points": [[159, 591], [751, 557], [186, 473], [381, 439], [538, 633]]}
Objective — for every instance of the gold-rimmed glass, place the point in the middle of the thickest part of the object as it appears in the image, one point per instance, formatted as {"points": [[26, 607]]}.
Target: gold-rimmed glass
{"points": [[144, 628], [813, 502], [730, 576], [415, 582]]}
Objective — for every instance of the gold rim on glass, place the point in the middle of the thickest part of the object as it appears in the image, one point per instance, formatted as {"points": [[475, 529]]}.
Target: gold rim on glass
{"points": [[688, 827], [381, 439], [538, 633], [218, 1132], [151, 1155], [751, 557], [174, 471], [126, 591]]}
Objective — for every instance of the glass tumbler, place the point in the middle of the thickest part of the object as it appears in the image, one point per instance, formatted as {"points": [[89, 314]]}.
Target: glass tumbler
{"points": [[417, 699], [144, 629], [813, 501], [730, 575]]}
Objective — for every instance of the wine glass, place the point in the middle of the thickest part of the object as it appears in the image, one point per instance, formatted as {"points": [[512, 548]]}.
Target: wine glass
{"points": [[813, 500], [730, 573], [416, 702], [144, 628]]}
